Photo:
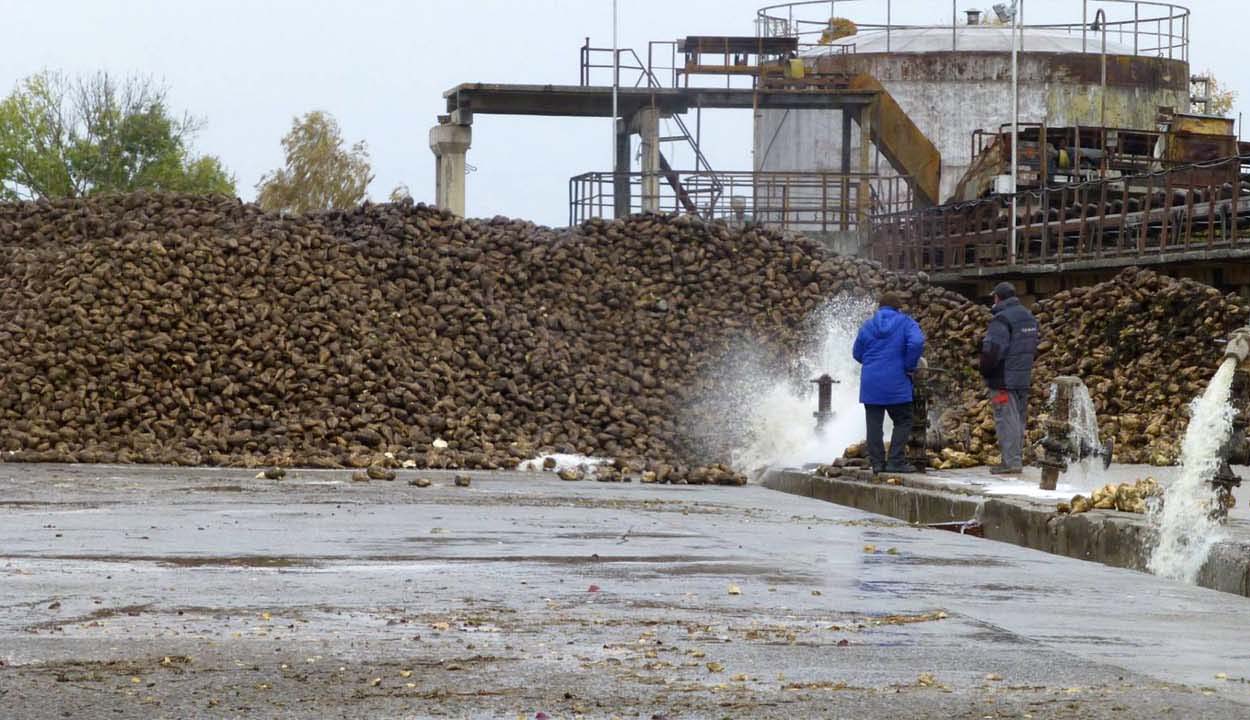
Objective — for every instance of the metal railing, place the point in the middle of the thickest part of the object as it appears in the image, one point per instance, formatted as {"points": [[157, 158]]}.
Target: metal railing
{"points": [[1203, 206], [1152, 28], [811, 201]]}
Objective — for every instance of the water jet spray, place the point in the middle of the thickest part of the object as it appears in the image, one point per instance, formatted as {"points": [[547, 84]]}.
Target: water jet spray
{"points": [[1063, 444]]}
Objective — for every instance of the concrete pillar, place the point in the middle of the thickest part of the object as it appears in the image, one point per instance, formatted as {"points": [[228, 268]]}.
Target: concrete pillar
{"points": [[865, 163], [846, 141], [449, 144], [648, 120], [621, 188]]}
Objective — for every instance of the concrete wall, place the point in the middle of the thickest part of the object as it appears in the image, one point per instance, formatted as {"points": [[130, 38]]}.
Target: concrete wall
{"points": [[950, 94]]}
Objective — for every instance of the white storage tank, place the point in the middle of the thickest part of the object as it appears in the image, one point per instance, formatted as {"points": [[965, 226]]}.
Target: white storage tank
{"points": [[954, 79]]}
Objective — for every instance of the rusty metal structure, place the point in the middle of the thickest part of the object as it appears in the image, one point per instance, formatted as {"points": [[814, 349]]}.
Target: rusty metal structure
{"points": [[1199, 211]]}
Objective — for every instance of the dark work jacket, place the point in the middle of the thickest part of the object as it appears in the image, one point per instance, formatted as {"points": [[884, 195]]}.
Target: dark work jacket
{"points": [[1009, 347]]}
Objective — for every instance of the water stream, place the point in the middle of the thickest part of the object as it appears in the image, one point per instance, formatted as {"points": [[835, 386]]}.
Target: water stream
{"points": [[1185, 529]]}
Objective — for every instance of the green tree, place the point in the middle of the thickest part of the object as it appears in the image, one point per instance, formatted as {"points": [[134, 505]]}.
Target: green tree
{"points": [[70, 137], [320, 172]]}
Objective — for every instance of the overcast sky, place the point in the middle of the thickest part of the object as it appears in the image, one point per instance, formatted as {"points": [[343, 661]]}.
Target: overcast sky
{"points": [[380, 66]]}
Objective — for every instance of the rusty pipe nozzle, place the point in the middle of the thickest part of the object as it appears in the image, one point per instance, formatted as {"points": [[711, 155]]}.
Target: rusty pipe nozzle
{"points": [[1238, 346]]}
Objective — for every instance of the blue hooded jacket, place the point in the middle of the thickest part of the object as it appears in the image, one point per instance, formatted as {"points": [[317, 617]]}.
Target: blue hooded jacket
{"points": [[888, 346]]}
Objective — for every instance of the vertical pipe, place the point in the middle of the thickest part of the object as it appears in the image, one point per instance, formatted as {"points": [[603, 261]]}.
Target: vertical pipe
{"points": [[954, 26], [1084, 22], [1136, 20], [1103, 16], [1015, 131]]}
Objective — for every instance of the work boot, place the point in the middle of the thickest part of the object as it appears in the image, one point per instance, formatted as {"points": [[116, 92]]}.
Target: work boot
{"points": [[901, 468], [1006, 470]]}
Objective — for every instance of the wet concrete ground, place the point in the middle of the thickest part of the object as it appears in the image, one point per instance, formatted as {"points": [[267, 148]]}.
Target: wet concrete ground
{"points": [[175, 593]]}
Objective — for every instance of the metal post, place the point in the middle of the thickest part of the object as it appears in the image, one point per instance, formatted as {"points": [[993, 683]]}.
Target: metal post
{"points": [[698, 133], [1136, 21], [616, 81], [888, 23], [954, 26], [1084, 22], [1171, 31]]}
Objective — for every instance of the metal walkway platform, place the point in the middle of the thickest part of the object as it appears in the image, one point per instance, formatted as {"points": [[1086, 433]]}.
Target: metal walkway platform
{"points": [[465, 100]]}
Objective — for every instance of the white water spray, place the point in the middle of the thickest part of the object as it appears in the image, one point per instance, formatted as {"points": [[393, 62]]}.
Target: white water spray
{"points": [[1083, 420], [1186, 529], [761, 411]]}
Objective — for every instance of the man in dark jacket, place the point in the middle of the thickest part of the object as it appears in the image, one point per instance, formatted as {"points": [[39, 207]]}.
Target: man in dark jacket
{"points": [[1007, 365], [888, 346]]}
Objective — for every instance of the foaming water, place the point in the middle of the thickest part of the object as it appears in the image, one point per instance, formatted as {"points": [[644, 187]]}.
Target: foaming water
{"points": [[761, 412], [1185, 529], [1088, 473]]}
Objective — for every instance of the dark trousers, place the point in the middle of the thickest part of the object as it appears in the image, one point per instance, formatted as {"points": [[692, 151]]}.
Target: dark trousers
{"points": [[900, 415], [1011, 419]]}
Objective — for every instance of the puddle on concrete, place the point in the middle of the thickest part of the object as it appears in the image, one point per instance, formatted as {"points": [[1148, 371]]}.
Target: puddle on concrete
{"points": [[50, 505], [101, 614], [905, 559], [626, 535], [726, 569]]}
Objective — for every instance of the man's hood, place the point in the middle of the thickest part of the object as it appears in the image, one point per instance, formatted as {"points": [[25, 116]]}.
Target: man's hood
{"points": [[885, 322]]}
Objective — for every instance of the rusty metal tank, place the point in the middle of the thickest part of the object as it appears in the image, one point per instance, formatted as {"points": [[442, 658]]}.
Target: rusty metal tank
{"points": [[954, 78]]}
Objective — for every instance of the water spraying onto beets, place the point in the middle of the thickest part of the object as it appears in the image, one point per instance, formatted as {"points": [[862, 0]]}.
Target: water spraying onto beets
{"points": [[760, 413]]}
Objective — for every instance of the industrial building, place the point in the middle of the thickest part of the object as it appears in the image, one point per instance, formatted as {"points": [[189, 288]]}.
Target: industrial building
{"points": [[891, 138]]}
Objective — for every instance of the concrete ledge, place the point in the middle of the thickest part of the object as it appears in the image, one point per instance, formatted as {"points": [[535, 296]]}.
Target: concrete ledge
{"points": [[1104, 536]]}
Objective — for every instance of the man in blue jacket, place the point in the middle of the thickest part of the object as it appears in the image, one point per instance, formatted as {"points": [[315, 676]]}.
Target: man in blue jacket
{"points": [[889, 347]]}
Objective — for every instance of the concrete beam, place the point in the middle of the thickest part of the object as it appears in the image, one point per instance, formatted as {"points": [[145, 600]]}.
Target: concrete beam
{"points": [[596, 101], [450, 144]]}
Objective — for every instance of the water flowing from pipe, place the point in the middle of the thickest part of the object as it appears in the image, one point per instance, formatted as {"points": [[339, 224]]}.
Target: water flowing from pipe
{"points": [[1186, 530]]}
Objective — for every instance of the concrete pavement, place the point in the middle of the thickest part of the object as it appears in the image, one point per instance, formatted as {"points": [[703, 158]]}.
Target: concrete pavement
{"points": [[140, 592]]}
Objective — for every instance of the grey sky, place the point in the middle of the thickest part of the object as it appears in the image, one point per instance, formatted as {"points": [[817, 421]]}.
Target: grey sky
{"points": [[380, 66]]}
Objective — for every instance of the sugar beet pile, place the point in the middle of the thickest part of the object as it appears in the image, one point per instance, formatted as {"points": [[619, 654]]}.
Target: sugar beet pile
{"points": [[182, 329]]}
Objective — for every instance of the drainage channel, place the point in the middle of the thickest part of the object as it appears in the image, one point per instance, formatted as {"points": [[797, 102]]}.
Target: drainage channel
{"points": [[1105, 536]]}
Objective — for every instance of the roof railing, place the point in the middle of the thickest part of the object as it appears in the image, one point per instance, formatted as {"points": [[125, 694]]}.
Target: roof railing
{"points": [[1150, 27]]}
